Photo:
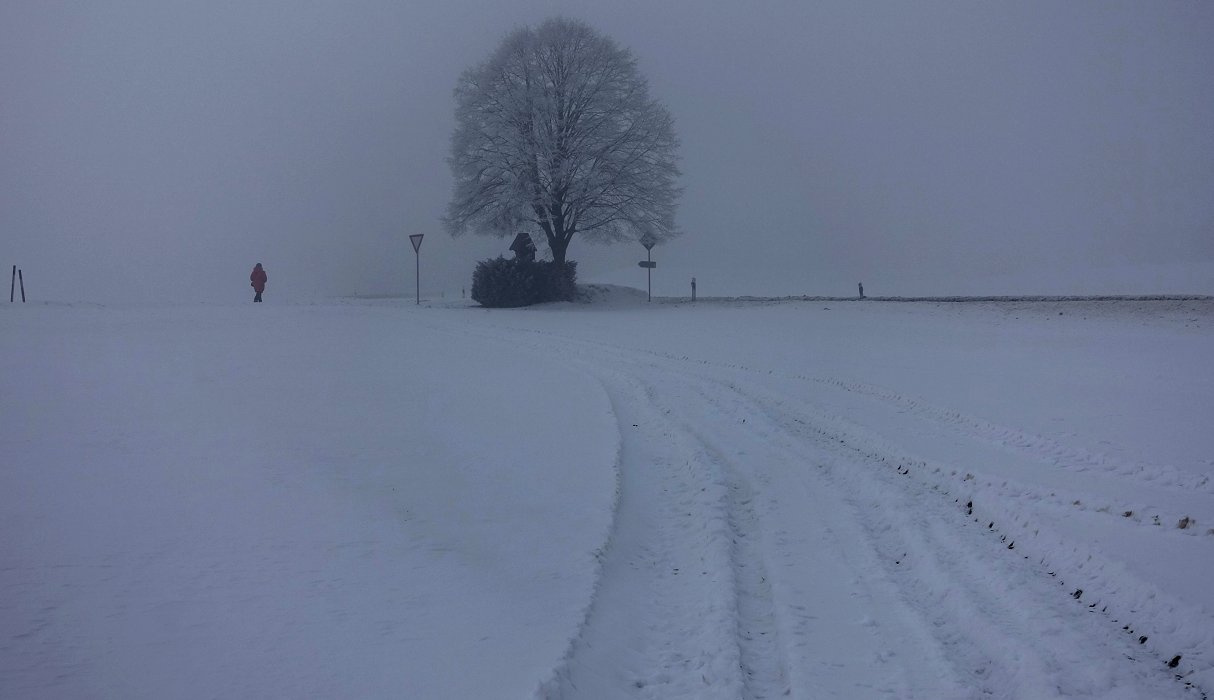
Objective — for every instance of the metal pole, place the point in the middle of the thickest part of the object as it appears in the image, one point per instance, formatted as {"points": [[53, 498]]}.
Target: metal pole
{"points": [[649, 272], [21, 279], [12, 285], [417, 274]]}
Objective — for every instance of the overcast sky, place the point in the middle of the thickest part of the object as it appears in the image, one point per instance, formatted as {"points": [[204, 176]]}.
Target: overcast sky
{"points": [[157, 149]]}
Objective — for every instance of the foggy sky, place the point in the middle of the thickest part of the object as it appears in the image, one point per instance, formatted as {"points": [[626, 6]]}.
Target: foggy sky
{"points": [[153, 149]]}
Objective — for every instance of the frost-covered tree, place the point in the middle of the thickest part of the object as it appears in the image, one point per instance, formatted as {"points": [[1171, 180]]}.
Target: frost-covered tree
{"points": [[556, 132]]}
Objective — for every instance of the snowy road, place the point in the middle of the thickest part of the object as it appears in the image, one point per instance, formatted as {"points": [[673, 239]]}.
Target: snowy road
{"points": [[767, 547], [718, 501]]}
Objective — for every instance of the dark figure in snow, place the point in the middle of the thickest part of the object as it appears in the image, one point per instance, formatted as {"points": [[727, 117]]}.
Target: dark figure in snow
{"points": [[258, 281], [861, 289]]}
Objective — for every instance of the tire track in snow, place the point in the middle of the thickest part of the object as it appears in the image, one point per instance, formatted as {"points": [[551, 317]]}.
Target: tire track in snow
{"points": [[665, 594], [945, 572], [968, 593], [764, 666], [1038, 517], [763, 658], [684, 558], [1025, 443], [926, 564], [854, 635], [714, 640], [1171, 626]]}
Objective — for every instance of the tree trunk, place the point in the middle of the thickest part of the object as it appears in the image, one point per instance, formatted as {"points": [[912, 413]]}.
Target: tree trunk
{"points": [[558, 247]]}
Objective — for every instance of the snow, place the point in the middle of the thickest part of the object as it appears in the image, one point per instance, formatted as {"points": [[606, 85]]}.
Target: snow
{"points": [[314, 502], [731, 498]]}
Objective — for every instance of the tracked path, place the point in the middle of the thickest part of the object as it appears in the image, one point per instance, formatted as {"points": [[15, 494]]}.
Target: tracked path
{"points": [[765, 547]]}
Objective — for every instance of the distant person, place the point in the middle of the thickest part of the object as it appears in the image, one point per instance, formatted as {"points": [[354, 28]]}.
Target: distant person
{"points": [[258, 281], [861, 284]]}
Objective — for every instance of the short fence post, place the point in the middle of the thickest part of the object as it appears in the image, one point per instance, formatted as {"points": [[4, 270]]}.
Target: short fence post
{"points": [[21, 278], [12, 285]]}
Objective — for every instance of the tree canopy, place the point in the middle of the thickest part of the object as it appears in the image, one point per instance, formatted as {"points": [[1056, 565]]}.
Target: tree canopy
{"points": [[556, 133]]}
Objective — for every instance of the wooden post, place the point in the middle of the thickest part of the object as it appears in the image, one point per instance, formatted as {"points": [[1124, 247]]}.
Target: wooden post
{"points": [[693, 289], [21, 278], [12, 285]]}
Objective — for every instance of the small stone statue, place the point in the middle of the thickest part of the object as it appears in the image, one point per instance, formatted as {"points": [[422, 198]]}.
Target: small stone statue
{"points": [[523, 248]]}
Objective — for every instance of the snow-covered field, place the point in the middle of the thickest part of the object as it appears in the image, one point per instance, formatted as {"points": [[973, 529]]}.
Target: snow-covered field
{"points": [[733, 499]]}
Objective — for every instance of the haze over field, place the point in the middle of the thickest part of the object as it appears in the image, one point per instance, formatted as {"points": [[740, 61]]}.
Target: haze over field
{"points": [[154, 150]]}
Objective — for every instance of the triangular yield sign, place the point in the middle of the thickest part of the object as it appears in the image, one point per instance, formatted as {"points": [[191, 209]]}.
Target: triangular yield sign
{"points": [[416, 240]]}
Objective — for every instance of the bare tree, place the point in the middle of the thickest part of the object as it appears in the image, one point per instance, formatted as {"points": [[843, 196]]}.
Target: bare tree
{"points": [[556, 131]]}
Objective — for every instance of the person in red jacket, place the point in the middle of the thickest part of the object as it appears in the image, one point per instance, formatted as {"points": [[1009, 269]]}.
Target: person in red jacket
{"points": [[258, 281]]}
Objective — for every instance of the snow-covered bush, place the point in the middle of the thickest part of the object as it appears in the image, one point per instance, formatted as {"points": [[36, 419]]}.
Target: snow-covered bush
{"points": [[503, 283]]}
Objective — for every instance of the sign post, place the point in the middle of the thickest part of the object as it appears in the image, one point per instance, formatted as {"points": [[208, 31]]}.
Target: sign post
{"points": [[649, 241], [416, 240]]}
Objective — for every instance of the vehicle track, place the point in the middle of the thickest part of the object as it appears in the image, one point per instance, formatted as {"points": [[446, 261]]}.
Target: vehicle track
{"points": [[667, 589], [965, 582], [733, 475]]}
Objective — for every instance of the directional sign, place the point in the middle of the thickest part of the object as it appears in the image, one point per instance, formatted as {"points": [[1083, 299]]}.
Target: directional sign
{"points": [[649, 241], [416, 240]]}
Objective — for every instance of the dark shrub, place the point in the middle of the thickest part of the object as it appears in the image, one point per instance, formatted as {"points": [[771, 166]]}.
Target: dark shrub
{"points": [[502, 283], [558, 283]]}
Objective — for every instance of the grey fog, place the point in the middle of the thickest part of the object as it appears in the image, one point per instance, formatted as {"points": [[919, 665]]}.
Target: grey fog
{"points": [[156, 151]]}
